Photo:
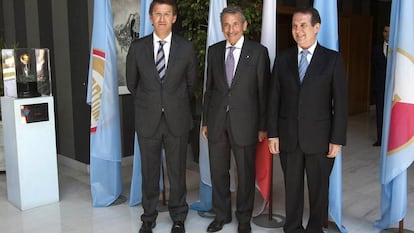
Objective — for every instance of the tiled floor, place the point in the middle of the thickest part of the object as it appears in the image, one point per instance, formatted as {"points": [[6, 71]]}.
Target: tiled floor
{"points": [[75, 214]]}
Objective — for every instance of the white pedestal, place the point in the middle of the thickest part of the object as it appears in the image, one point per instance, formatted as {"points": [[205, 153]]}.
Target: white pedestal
{"points": [[2, 163], [30, 154]]}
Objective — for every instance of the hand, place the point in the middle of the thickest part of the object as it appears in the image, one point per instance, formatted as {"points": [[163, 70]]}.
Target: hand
{"points": [[204, 132], [261, 135], [333, 150], [274, 145]]}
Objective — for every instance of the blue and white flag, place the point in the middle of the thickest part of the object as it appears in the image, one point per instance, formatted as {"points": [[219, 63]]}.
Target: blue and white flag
{"points": [[102, 96], [264, 160], [145, 25], [328, 37], [397, 152], [214, 35], [268, 37], [135, 197]]}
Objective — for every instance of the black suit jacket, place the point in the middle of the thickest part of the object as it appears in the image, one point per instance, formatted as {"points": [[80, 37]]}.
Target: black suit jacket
{"points": [[314, 113], [151, 97], [379, 69], [245, 100]]}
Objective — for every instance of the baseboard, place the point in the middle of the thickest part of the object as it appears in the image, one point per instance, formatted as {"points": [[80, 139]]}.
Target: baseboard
{"points": [[83, 167]]}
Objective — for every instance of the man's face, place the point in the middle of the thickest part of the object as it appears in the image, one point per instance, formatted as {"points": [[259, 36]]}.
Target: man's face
{"points": [[386, 33], [162, 17], [302, 30], [233, 27]]}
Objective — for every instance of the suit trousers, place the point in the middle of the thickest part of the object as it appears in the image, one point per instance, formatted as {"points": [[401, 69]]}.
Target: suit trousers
{"points": [[317, 168], [219, 154], [151, 159], [379, 108]]}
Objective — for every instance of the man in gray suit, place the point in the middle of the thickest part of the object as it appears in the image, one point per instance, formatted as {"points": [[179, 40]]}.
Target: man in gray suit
{"points": [[234, 116], [161, 74], [307, 119]]}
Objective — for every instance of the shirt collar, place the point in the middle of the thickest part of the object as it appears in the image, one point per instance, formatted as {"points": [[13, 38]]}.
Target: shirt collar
{"points": [[157, 39], [238, 45], [311, 49]]}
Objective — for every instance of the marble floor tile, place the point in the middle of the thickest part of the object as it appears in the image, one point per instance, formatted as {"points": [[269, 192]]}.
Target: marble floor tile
{"points": [[74, 212]]}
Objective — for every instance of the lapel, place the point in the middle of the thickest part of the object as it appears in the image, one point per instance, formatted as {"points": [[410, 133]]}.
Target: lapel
{"points": [[381, 51], [244, 58], [293, 64], [149, 53], [316, 64], [221, 62], [174, 48]]}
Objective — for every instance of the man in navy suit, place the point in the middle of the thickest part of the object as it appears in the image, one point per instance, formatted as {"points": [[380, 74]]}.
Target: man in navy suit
{"points": [[234, 116], [161, 74], [307, 119], [379, 70]]}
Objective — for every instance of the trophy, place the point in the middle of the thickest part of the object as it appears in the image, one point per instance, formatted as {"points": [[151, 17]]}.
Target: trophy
{"points": [[26, 74]]}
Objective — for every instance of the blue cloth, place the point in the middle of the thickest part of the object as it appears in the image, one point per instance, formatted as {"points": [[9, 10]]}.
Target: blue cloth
{"points": [[135, 196], [105, 138], [214, 35], [397, 151], [145, 25], [328, 37]]}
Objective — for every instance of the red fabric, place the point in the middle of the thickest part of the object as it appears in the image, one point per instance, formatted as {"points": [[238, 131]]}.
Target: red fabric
{"points": [[401, 126], [263, 169]]}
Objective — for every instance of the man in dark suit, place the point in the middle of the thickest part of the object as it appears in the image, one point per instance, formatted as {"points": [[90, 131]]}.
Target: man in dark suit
{"points": [[161, 74], [379, 70], [234, 113], [307, 119]]}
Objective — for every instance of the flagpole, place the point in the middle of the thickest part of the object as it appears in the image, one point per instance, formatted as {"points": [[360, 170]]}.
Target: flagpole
{"points": [[270, 220], [268, 39], [400, 229]]}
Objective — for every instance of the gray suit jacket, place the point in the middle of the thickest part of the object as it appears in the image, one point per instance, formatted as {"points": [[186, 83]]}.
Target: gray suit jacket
{"points": [[153, 97], [245, 100], [314, 113]]}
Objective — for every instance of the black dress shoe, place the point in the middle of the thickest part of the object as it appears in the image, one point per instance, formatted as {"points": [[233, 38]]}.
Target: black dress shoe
{"points": [[244, 228], [146, 227], [217, 225], [178, 227], [377, 143]]}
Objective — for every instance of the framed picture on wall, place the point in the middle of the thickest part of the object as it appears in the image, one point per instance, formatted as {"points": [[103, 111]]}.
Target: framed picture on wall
{"points": [[126, 15]]}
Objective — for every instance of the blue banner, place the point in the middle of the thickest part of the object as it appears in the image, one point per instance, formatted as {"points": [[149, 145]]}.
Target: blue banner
{"points": [[102, 96], [397, 151], [145, 28], [214, 35], [328, 37]]}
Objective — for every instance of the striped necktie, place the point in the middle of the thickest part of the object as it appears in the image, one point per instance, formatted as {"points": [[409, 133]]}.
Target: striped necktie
{"points": [[160, 61], [303, 64]]}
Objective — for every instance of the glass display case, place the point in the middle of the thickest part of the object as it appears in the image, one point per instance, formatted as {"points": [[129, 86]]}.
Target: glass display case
{"points": [[26, 72]]}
